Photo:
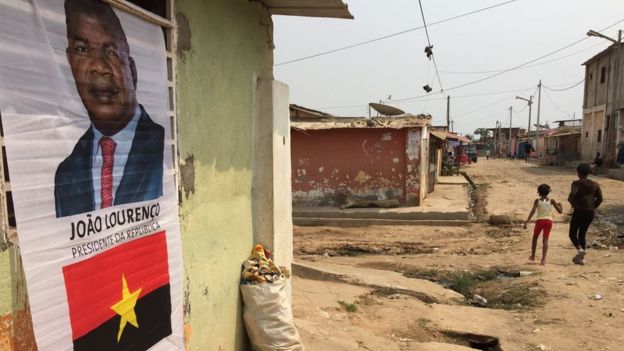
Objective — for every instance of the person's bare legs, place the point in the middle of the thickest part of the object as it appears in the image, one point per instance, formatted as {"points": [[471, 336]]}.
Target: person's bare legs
{"points": [[544, 250], [533, 247]]}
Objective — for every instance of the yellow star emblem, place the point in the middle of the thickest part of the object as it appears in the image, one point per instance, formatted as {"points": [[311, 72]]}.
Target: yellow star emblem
{"points": [[125, 307]]}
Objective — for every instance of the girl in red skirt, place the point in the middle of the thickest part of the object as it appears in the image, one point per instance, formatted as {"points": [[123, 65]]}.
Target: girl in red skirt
{"points": [[543, 206]]}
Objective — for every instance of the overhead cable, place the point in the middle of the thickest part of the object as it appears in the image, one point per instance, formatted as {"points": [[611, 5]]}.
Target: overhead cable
{"points": [[393, 34], [517, 66], [491, 104], [525, 107], [435, 65], [557, 106], [528, 66], [564, 89]]}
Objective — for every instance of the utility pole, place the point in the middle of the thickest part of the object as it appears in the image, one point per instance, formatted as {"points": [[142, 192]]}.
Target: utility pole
{"points": [[530, 101], [613, 128], [539, 102], [510, 119], [616, 70], [448, 112], [496, 139]]}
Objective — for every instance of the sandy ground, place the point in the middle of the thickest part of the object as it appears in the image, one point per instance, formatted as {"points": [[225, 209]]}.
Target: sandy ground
{"points": [[561, 307]]}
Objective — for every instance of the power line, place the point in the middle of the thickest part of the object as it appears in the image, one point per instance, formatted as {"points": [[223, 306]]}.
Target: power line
{"points": [[555, 104], [528, 66], [491, 104], [517, 66], [479, 119], [393, 34], [523, 109], [435, 65], [564, 89], [429, 98]]}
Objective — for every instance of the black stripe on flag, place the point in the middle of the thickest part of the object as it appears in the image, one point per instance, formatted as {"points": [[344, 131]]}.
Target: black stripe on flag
{"points": [[153, 313]]}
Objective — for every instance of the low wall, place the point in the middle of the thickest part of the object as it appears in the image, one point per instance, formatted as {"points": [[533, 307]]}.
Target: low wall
{"points": [[368, 163]]}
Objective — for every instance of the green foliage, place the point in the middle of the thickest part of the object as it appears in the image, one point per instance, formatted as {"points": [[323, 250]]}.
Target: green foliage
{"points": [[483, 133], [349, 307]]}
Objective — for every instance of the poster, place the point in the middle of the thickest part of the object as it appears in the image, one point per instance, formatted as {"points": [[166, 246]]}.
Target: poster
{"points": [[84, 107]]}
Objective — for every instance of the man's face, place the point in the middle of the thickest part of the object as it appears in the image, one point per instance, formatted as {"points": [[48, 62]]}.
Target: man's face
{"points": [[104, 73]]}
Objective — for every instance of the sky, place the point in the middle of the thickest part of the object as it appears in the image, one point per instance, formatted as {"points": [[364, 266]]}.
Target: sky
{"points": [[344, 82]]}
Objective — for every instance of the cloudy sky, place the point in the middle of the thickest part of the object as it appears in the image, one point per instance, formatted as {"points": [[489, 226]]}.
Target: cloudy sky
{"points": [[466, 49]]}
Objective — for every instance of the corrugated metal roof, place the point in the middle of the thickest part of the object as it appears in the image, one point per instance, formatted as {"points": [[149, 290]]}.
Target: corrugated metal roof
{"points": [[297, 111], [308, 8], [398, 122], [563, 134], [453, 136], [438, 134]]}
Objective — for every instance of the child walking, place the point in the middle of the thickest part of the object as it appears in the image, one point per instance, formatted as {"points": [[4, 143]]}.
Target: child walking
{"points": [[543, 206], [585, 197]]}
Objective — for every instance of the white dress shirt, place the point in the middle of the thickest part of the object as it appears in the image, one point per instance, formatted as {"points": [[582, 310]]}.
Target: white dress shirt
{"points": [[123, 139]]}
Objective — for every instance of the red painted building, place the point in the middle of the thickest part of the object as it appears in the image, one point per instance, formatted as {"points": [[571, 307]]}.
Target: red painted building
{"points": [[372, 159]]}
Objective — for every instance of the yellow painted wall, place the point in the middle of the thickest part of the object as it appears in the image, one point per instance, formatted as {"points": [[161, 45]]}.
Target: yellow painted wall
{"points": [[224, 47]]}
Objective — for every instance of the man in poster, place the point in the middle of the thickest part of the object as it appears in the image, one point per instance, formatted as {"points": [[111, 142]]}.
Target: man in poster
{"points": [[119, 159]]}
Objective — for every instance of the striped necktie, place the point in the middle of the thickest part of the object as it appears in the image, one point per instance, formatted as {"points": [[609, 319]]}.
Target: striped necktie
{"points": [[108, 146]]}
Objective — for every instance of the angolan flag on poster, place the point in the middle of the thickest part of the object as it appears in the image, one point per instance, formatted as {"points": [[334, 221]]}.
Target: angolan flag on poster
{"points": [[120, 299]]}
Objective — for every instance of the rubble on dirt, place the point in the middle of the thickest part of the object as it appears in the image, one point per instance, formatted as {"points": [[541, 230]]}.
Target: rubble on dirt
{"points": [[498, 293], [478, 300], [500, 220], [352, 202]]}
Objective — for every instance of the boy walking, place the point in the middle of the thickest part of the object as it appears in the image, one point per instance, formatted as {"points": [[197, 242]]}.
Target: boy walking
{"points": [[585, 197]]}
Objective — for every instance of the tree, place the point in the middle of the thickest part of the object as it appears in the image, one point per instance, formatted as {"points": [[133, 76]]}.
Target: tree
{"points": [[483, 133]]}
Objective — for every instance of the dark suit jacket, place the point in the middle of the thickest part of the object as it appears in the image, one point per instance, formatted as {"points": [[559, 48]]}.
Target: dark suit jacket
{"points": [[141, 180]]}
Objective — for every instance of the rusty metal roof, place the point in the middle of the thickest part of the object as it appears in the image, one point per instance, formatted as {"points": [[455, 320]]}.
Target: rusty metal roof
{"points": [[297, 111], [308, 8], [440, 134], [397, 122], [453, 136], [563, 134]]}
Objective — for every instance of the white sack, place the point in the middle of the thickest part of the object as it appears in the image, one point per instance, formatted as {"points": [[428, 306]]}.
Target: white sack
{"points": [[268, 317]]}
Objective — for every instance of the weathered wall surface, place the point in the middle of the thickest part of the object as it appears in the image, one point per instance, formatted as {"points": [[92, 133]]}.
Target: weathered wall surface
{"points": [[414, 191], [15, 324], [227, 48], [593, 124], [595, 90], [368, 163], [598, 95]]}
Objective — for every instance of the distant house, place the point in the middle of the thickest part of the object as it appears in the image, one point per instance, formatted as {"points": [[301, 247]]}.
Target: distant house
{"points": [[379, 158], [537, 140], [563, 143], [502, 144], [602, 129]]}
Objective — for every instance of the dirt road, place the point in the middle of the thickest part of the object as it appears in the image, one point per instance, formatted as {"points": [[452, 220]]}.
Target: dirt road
{"points": [[524, 306]]}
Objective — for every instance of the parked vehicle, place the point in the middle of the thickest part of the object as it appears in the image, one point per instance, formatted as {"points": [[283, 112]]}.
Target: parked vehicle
{"points": [[471, 151]]}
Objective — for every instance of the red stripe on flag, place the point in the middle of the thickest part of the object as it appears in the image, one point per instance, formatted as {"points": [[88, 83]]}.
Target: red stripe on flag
{"points": [[95, 284]]}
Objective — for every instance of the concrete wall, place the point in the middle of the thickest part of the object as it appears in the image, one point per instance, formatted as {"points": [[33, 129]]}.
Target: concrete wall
{"points": [[15, 324], [271, 190], [593, 124], [225, 50], [369, 163], [597, 93], [599, 96], [595, 90]]}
